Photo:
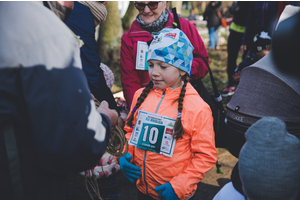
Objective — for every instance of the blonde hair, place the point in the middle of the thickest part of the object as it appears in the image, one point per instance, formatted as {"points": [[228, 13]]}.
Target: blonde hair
{"points": [[178, 128]]}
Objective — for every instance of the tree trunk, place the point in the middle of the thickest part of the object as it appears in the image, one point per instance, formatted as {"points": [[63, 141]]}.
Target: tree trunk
{"points": [[203, 6], [129, 16], [178, 5], [109, 40], [195, 7], [169, 5]]}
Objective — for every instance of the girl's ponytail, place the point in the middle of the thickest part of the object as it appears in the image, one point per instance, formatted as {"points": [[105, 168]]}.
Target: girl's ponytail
{"points": [[140, 100], [178, 128]]}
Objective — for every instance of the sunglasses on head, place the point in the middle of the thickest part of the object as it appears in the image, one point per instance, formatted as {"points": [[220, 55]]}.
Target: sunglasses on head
{"points": [[151, 5]]}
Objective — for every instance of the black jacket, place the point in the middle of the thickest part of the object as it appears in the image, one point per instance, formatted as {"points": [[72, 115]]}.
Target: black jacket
{"points": [[240, 12], [210, 14]]}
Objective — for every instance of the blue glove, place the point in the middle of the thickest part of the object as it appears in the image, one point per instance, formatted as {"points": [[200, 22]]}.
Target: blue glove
{"points": [[166, 192], [131, 171]]}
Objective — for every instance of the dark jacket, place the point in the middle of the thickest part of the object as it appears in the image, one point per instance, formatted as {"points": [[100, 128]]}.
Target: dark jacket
{"points": [[81, 22], [45, 95], [210, 14], [262, 16], [240, 12]]}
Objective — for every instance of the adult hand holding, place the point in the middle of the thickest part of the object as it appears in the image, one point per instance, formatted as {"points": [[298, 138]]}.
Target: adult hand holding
{"points": [[131, 171], [121, 122], [112, 114], [166, 192]]}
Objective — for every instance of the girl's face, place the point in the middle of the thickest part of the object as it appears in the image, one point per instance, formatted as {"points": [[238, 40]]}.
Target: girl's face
{"points": [[164, 75], [149, 16]]}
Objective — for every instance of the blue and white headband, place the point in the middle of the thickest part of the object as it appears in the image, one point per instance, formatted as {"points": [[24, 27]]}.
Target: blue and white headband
{"points": [[173, 47]]}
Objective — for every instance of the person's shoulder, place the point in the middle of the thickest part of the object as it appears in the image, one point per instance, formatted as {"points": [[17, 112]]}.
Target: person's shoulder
{"points": [[139, 91], [135, 26], [191, 93], [193, 100], [185, 24], [125, 35], [42, 33], [183, 20], [31, 16]]}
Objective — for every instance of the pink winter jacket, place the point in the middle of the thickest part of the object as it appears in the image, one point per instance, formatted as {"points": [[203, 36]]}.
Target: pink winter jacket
{"points": [[133, 79]]}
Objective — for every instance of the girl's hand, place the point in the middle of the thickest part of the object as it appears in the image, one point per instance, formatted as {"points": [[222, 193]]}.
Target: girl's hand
{"points": [[166, 192], [131, 171]]}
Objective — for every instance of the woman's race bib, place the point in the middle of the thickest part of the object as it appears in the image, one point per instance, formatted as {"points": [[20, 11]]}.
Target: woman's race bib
{"points": [[153, 132], [141, 56]]}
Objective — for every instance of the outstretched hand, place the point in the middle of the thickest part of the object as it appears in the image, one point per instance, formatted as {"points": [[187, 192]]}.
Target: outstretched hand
{"points": [[112, 114], [131, 171], [166, 192]]}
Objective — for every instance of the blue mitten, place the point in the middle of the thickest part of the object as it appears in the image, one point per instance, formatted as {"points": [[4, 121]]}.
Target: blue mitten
{"points": [[166, 192], [131, 171]]}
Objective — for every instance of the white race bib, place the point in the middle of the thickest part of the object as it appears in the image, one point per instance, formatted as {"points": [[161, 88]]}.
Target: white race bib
{"points": [[153, 132], [141, 56]]}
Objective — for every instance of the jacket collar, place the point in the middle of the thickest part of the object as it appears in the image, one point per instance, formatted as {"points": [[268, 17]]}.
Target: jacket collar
{"points": [[174, 93]]}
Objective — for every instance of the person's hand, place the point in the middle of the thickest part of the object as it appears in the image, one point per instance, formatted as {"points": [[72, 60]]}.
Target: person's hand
{"points": [[112, 114], [121, 122], [262, 53], [93, 97], [104, 3], [131, 171], [236, 76], [166, 192], [243, 48], [68, 4]]}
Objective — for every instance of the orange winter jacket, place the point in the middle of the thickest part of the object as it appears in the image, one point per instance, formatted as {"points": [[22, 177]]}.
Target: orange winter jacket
{"points": [[193, 155]]}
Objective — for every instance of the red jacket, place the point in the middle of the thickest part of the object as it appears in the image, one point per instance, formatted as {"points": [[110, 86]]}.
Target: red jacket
{"points": [[193, 155], [133, 79]]}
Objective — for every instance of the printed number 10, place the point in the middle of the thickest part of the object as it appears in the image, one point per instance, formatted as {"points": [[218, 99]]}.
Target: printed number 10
{"points": [[152, 136]]}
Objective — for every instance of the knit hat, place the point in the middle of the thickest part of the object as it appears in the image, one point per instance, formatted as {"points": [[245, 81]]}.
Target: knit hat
{"points": [[261, 41], [269, 161], [108, 75], [173, 47], [98, 9]]}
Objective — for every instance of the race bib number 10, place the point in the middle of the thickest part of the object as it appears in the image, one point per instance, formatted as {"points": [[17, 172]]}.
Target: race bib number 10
{"points": [[153, 132]]}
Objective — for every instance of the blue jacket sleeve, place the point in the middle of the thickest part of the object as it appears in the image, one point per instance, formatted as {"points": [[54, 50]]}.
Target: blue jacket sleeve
{"points": [[81, 22], [67, 132]]}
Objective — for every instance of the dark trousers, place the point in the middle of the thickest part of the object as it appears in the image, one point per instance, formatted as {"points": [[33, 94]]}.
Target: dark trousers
{"points": [[141, 196], [233, 46]]}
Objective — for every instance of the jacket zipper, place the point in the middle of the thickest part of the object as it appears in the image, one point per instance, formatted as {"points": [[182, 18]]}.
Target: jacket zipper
{"points": [[162, 98], [144, 161]]}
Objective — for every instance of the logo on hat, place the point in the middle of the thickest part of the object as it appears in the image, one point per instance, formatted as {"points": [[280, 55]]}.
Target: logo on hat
{"points": [[171, 35]]}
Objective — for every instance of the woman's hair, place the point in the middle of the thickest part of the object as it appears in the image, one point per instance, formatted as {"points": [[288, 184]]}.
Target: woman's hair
{"points": [[178, 128]]}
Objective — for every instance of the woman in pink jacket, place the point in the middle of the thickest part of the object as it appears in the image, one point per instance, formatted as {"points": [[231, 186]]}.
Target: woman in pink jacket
{"points": [[152, 18]]}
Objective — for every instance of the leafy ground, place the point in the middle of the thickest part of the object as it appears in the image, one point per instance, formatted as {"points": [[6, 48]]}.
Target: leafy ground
{"points": [[212, 181]]}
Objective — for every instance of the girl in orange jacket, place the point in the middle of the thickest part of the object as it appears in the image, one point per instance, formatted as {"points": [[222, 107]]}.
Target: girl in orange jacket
{"points": [[170, 128]]}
